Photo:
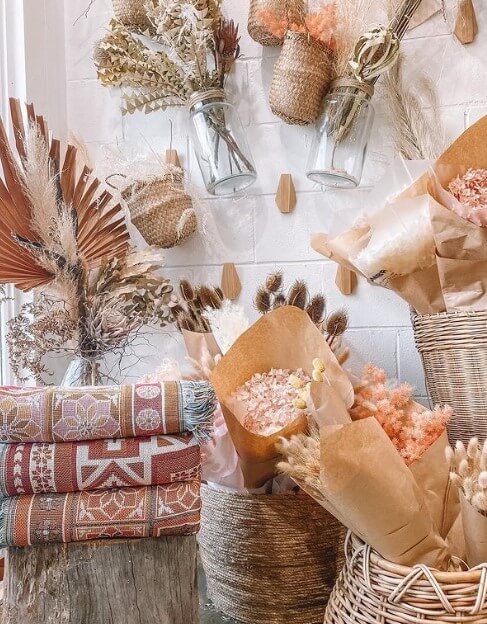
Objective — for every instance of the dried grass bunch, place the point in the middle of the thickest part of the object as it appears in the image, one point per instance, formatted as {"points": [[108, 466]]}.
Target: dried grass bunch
{"points": [[192, 48], [190, 313], [273, 295], [469, 471], [57, 229]]}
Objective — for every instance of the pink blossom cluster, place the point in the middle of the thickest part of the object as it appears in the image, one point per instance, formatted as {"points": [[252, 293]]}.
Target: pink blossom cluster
{"points": [[268, 400], [471, 192], [411, 427]]}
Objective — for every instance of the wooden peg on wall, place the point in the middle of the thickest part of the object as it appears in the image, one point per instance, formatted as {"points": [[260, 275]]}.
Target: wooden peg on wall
{"points": [[286, 194], [230, 284], [466, 27], [346, 280], [172, 158]]}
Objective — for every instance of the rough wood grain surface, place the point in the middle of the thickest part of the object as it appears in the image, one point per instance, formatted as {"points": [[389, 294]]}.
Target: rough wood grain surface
{"points": [[151, 581]]}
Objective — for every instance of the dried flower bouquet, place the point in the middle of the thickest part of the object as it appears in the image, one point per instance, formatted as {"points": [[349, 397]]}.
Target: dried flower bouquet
{"points": [[64, 236]]}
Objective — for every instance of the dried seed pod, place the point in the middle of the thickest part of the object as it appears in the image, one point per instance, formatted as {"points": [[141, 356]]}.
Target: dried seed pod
{"points": [[209, 298], [262, 300], [298, 295], [274, 282], [186, 322], [279, 301], [336, 324], [316, 309], [219, 293], [187, 290]]}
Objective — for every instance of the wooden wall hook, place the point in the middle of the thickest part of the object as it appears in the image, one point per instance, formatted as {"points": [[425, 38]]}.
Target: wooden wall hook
{"points": [[286, 194], [230, 284], [346, 280], [466, 26], [172, 158]]}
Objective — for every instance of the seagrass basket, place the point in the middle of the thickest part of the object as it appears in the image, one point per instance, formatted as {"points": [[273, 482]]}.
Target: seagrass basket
{"points": [[301, 78], [371, 590], [131, 13], [269, 559], [292, 10], [453, 347], [161, 210]]}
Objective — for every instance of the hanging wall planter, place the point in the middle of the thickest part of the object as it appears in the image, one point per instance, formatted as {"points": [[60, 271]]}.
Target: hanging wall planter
{"points": [[290, 10]]}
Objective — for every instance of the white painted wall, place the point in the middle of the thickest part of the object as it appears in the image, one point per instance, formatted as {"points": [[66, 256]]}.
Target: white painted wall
{"points": [[250, 231]]}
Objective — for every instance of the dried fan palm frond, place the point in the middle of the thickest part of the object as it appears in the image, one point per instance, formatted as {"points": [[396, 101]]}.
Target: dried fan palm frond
{"points": [[417, 136], [298, 295], [51, 219]]}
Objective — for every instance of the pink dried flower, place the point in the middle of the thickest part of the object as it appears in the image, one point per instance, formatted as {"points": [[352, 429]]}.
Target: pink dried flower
{"points": [[411, 427], [268, 400], [471, 192]]}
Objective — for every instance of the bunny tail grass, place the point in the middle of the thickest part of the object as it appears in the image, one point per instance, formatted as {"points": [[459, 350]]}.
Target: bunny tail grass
{"points": [[199, 404]]}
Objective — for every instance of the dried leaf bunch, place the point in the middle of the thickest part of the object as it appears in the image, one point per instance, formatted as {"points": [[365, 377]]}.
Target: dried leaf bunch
{"points": [[191, 48], [57, 229], [195, 300], [469, 471], [273, 295], [320, 24]]}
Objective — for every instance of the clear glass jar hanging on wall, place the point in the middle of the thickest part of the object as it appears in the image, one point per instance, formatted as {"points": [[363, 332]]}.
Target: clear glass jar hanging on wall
{"points": [[220, 144], [342, 135]]}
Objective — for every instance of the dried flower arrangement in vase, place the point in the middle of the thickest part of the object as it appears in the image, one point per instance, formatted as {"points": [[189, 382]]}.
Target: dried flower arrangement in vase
{"points": [[63, 235], [159, 200], [290, 10], [302, 73], [185, 62], [343, 130]]}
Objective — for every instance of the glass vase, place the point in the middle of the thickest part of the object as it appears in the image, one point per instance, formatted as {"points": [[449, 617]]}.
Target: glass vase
{"points": [[220, 144], [83, 371], [342, 135]]}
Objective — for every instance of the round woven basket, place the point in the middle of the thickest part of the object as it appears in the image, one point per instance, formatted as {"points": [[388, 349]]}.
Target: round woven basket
{"points": [[453, 347], [371, 590], [161, 210], [301, 78], [294, 9], [269, 559], [131, 13]]}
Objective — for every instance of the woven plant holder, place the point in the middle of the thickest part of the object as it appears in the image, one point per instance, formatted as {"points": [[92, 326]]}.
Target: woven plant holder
{"points": [[453, 347], [301, 78], [161, 210], [294, 9], [371, 590], [269, 559], [131, 13]]}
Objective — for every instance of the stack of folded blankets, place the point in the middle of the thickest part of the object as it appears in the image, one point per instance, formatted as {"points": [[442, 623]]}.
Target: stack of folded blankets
{"points": [[79, 464]]}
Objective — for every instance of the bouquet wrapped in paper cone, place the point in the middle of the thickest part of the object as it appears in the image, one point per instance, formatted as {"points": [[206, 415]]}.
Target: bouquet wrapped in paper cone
{"points": [[284, 339], [426, 240]]}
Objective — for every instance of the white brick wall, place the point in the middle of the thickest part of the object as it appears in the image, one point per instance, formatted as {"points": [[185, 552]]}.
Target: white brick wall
{"points": [[250, 231]]}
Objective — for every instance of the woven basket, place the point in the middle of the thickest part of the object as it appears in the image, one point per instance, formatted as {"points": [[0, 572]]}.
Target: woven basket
{"points": [[259, 33], [453, 347], [371, 590], [156, 209], [269, 559], [301, 78], [131, 13]]}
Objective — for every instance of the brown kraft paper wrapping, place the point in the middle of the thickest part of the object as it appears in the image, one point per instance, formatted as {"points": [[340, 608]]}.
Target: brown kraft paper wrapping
{"points": [[284, 338], [432, 474], [366, 481], [475, 531], [200, 347]]}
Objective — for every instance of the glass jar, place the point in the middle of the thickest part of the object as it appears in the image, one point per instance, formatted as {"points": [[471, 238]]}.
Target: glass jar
{"points": [[220, 144], [342, 134], [83, 371]]}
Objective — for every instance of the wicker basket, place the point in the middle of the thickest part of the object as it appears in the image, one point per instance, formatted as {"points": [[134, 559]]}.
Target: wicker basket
{"points": [[269, 559], [453, 347], [300, 80], [371, 590], [161, 210], [131, 13], [259, 33]]}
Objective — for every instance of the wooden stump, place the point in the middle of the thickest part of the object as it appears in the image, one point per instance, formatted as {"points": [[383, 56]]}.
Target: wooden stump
{"points": [[150, 581]]}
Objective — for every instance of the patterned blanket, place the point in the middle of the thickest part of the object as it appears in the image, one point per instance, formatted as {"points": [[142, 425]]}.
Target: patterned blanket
{"points": [[172, 509], [97, 464], [130, 411]]}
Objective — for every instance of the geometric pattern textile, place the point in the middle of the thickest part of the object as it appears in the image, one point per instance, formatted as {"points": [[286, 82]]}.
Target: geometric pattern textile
{"points": [[172, 509], [31, 468], [56, 414]]}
